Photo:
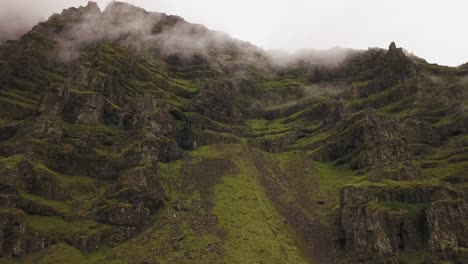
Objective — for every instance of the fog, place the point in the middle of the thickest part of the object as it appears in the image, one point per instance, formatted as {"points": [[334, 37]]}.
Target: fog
{"points": [[143, 31], [431, 29]]}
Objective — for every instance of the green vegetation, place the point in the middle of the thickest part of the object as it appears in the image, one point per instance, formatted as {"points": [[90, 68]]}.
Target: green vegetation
{"points": [[309, 142], [418, 257], [315, 185], [397, 207], [94, 131], [360, 83], [228, 201], [11, 161], [56, 226], [11, 211], [264, 127], [400, 108], [282, 83], [59, 206], [448, 120], [254, 233]]}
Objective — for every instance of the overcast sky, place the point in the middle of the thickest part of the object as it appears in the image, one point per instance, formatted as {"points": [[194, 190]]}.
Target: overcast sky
{"points": [[433, 29]]}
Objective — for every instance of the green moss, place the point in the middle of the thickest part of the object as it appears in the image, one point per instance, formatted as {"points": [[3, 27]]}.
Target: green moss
{"points": [[447, 120], [82, 92], [386, 183], [170, 175], [392, 206], [308, 142], [96, 133], [255, 231], [11, 211], [189, 85], [61, 253], [23, 96], [448, 160], [206, 152], [445, 170], [113, 105], [18, 103], [360, 83], [59, 206], [11, 161], [417, 257], [282, 83], [270, 137], [211, 136], [56, 226], [317, 185], [264, 127], [400, 108]]}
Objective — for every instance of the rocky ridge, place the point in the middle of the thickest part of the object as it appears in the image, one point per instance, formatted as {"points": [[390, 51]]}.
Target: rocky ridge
{"points": [[118, 144]]}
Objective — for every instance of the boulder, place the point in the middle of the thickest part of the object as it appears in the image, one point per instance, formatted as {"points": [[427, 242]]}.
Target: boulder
{"points": [[123, 214]]}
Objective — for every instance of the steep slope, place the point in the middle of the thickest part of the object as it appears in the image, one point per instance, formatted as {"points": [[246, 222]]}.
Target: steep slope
{"points": [[135, 137]]}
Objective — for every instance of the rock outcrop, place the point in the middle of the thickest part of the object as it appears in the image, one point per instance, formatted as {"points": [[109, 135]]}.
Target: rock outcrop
{"points": [[366, 139], [105, 136], [384, 222]]}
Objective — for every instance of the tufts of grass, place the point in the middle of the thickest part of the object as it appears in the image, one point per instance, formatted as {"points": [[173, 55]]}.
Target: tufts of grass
{"points": [[11, 161], [264, 127], [398, 207], [255, 232], [281, 83], [59, 206], [416, 257], [315, 185], [57, 227], [310, 142]]}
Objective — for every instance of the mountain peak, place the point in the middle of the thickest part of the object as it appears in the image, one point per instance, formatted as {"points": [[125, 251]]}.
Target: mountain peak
{"points": [[92, 4], [136, 136]]}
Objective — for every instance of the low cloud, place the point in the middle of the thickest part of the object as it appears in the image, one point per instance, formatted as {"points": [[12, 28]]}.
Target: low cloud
{"points": [[139, 29], [18, 16]]}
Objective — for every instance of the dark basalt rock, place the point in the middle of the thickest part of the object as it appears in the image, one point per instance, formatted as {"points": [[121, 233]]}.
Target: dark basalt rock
{"points": [[366, 139], [116, 108], [11, 198], [86, 244], [53, 101], [35, 179], [382, 221], [413, 194], [148, 117], [405, 171], [448, 228], [140, 187], [277, 143], [123, 214], [91, 108], [8, 131], [217, 101], [15, 237], [373, 231]]}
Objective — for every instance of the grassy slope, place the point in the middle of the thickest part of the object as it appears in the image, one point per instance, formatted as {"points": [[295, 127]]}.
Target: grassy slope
{"points": [[255, 231], [250, 229]]}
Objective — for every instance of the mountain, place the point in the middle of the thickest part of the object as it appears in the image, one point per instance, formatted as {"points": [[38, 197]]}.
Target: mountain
{"points": [[135, 137]]}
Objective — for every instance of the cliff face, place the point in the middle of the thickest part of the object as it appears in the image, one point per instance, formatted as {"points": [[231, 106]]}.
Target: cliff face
{"points": [[138, 137]]}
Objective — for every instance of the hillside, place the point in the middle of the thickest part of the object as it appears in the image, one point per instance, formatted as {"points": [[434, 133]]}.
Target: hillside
{"points": [[135, 137]]}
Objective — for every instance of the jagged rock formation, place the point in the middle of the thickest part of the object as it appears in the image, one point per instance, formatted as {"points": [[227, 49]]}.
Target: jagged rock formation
{"points": [[164, 142]]}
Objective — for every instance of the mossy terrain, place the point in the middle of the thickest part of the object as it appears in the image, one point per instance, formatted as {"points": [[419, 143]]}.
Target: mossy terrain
{"points": [[138, 155]]}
